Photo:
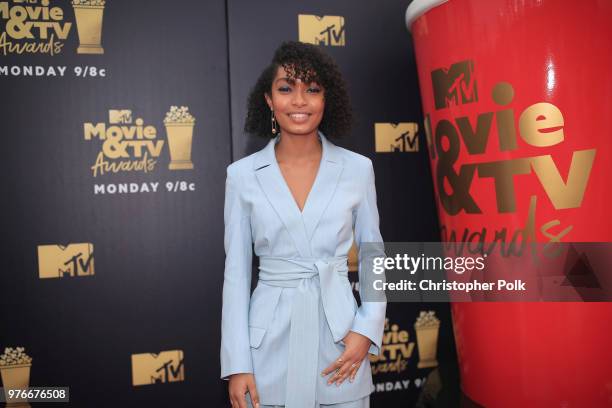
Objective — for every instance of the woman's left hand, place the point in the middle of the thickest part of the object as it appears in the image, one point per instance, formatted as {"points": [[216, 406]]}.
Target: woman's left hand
{"points": [[357, 346]]}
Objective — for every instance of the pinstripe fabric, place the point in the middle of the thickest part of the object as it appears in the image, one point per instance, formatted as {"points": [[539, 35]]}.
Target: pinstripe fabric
{"points": [[293, 324]]}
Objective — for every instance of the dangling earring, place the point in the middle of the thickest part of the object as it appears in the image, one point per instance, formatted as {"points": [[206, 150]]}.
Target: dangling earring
{"points": [[274, 129]]}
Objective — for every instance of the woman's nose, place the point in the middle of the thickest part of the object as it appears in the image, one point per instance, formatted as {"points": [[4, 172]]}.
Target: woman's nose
{"points": [[298, 98]]}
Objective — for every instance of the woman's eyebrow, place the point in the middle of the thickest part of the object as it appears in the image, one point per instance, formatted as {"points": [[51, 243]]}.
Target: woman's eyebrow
{"points": [[290, 80]]}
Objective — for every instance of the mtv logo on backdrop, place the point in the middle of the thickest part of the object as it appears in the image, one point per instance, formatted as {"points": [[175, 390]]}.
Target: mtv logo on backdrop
{"points": [[56, 261], [119, 116], [396, 137], [455, 85], [324, 30], [151, 368]]}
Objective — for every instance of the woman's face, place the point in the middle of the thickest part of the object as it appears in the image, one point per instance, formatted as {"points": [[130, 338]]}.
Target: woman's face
{"points": [[298, 106]]}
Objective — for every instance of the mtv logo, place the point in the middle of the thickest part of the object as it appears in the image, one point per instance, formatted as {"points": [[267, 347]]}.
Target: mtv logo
{"points": [[55, 261], [396, 137], [151, 368], [119, 116], [455, 85], [324, 30]]}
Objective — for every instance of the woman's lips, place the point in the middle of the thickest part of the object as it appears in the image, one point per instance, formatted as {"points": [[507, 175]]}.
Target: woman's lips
{"points": [[299, 117]]}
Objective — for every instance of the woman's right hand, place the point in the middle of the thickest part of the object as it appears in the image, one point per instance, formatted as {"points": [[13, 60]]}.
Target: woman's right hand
{"points": [[239, 384]]}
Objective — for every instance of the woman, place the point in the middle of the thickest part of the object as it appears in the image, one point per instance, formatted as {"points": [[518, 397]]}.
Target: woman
{"points": [[298, 200]]}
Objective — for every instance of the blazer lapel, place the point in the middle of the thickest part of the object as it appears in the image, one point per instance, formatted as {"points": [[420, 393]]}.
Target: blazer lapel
{"points": [[324, 186], [300, 225], [279, 196]]}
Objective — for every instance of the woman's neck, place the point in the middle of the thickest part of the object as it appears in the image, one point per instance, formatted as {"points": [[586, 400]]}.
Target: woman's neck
{"points": [[298, 147]]}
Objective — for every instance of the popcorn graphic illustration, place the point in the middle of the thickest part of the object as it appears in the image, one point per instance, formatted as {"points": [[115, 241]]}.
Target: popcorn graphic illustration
{"points": [[89, 2], [89, 15], [179, 115], [427, 319], [15, 371], [179, 128], [14, 357], [427, 327]]}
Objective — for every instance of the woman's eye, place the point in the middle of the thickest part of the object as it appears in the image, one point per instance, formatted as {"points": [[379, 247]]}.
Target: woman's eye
{"points": [[314, 90], [284, 89]]}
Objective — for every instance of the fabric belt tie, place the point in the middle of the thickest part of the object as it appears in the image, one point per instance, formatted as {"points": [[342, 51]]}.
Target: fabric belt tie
{"points": [[302, 369]]}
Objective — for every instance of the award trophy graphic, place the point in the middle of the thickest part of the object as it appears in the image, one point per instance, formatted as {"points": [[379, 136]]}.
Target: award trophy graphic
{"points": [[88, 14], [427, 327], [15, 371], [179, 128]]}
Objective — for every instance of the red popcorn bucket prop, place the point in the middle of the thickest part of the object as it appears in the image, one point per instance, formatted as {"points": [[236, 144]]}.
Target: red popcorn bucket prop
{"points": [[517, 97]]}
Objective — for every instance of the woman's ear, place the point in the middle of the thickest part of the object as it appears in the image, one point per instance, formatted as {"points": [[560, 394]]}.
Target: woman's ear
{"points": [[268, 100]]}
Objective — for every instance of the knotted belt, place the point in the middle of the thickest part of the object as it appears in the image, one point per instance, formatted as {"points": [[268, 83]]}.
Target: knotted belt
{"points": [[302, 370]]}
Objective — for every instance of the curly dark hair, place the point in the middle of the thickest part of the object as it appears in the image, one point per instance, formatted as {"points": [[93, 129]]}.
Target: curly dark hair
{"points": [[308, 63]]}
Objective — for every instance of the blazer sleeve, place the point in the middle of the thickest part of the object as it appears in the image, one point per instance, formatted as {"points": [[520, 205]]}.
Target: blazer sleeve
{"points": [[370, 318], [235, 345]]}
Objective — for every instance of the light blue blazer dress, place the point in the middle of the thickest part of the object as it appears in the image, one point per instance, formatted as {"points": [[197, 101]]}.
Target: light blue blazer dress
{"points": [[291, 327]]}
